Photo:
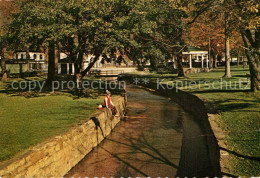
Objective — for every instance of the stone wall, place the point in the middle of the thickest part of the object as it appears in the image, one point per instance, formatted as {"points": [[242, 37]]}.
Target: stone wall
{"points": [[55, 157]]}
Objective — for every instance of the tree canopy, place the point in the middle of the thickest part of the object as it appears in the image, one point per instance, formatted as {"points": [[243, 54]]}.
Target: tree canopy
{"points": [[154, 30]]}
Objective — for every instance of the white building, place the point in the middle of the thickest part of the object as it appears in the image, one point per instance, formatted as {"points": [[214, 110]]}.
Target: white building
{"points": [[37, 56], [197, 56], [36, 61], [89, 58], [66, 66]]}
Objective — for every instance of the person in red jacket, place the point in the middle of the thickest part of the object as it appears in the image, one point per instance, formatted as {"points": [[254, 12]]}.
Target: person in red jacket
{"points": [[109, 104]]}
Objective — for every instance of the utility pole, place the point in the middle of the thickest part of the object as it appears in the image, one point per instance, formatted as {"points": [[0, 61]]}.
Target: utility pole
{"points": [[209, 52]]}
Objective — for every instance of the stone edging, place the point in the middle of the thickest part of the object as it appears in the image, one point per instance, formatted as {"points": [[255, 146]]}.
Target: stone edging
{"points": [[55, 157]]}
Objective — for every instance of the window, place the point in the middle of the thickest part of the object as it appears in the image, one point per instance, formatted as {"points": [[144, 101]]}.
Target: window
{"points": [[16, 56], [21, 56], [41, 56], [34, 56]]}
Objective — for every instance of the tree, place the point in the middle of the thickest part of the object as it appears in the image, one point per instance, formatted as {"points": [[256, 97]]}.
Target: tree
{"points": [[3, 65], [38, 23], [157, 29], [85, 27], [100, 27], [214, 24], [227, 47], [207, 33], [243, 17], [6, 8], [249, 15], [97, 28], [53, 57]]}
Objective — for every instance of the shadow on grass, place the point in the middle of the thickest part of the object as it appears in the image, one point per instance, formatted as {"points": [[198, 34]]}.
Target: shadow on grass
{"points": [[220, 91], [239, 70], [240, 155], [233, 106], [152, 76], [242, 76], [64, 88]]}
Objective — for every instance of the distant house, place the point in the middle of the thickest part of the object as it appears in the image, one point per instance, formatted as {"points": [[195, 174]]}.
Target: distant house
{"points": [[36, 61], [88, 59], [196, 57], [66, 65]]}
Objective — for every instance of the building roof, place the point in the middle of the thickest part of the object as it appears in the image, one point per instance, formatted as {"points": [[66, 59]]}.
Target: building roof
{"points": [[18, 51], [66, 60], [194, 48]]}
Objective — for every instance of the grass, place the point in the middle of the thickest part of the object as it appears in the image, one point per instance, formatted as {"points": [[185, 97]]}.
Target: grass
{"points": [[239, 112], [26, 121], [240, 117]]}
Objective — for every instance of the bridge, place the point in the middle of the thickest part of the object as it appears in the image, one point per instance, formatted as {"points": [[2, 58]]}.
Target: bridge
{"points": [[111, 71], [106, 73]]}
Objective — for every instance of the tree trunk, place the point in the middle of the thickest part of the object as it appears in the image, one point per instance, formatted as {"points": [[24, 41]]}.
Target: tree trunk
{"points": [[152, 63], [254, 76], [52, 63], [27, 58], [210, 58], [238, 60], [254, 72], [253, 53], [258, 62], [3, 65], [227, 49], [180, 69], [174, 62], [216, 61], [211, 62], [78, 69], [21, 69], [46, 55], [82, 65], [78, 80], [227, 59], [243, 62]]}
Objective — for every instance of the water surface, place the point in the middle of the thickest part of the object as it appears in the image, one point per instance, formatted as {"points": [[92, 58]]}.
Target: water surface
{"points": [[157, 139]]}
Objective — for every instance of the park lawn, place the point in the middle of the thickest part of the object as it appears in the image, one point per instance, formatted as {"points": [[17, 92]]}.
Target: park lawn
{"points": [[25, 122], [240, 117]]}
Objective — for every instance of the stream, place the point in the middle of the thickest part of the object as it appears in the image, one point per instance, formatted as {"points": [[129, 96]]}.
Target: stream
{"points": [[157, 139]]}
